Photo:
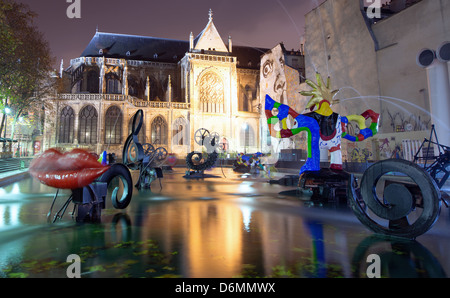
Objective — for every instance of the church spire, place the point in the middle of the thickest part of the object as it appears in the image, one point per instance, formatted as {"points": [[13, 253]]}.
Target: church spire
{"points": [[209, 39], [210, 15]]}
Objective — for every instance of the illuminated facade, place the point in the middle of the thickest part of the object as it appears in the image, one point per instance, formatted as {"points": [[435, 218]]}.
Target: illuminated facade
{"points": [[180, 85]]}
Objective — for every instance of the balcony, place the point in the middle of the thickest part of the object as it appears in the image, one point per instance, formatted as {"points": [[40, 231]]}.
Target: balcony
{"points": [[120, 98]]}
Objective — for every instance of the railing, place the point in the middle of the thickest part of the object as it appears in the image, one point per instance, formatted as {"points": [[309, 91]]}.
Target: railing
{"points": [[207, 57], [160, 104], [118, 62], [411, 147], [119, 97], [94, 97]]}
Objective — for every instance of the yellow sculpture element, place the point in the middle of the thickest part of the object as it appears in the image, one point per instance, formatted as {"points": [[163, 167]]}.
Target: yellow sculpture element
{"points": [[322, 96], [358, 119]]}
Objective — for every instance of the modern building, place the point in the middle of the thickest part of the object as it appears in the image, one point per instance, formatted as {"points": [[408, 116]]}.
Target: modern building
{"points": [[373, 61]]}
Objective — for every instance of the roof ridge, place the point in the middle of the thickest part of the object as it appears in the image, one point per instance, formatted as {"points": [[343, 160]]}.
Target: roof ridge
{"points": [[138, 36]]}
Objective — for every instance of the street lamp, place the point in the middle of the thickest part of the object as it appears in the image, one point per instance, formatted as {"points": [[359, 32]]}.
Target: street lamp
{"points": [[7, 112]]}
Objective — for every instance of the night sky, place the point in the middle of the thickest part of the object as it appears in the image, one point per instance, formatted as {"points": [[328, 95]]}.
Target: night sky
{"points": [[259, 23]]}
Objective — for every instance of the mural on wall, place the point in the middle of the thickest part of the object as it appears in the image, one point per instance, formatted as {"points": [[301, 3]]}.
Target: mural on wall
{"points": [[360, 155], [273, 79], [281, 83], [411, 122]]}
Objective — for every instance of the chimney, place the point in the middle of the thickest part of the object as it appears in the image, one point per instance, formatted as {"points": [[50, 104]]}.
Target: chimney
{"points": [[230, 45]]}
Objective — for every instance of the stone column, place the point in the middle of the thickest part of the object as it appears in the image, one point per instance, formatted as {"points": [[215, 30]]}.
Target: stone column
{"points": [[147, 89], [76, 127], [124, 77], [102, 81]]}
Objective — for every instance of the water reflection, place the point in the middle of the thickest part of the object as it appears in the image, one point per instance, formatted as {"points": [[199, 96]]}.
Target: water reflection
{"points": [[211, 228]]}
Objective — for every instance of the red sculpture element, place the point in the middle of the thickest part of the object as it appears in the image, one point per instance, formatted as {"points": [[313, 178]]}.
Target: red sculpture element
{"points": [[75, 169]]}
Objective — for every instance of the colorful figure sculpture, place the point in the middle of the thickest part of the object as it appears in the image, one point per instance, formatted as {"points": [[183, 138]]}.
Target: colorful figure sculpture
{"points": [[248, 163], [325, 127]]}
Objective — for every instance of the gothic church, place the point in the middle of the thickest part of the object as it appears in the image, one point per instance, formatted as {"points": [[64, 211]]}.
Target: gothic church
{"points": [[181, 86]]}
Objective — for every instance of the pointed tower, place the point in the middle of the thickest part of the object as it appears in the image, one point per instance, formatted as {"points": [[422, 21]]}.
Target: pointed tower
{"points": [[209, 82], [209, 39]]}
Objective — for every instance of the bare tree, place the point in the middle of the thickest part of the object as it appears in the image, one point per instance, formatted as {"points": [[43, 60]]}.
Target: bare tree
{"points": [[25, 62]]}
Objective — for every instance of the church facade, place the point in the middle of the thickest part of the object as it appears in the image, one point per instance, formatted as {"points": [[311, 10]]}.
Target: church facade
{"points": [[181, 86]]}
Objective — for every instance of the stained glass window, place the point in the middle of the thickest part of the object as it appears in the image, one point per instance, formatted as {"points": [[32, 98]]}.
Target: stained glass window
{"points": [[211, 93], [66, 125], [113, 125], [179, 132], [88, 125], [159, 131]]}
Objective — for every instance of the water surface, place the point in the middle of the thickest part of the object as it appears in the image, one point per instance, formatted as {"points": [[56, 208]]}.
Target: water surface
{"points": [[232, 225]]}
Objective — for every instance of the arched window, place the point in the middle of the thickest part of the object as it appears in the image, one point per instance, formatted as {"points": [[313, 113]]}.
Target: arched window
{"points": [[180, 132], [141, 135], [66, 125], [211, 93], [247, 97], [247, 136], [133, 86], [93, 81], [87, 133], [113, 125], [155, 89], [113, 85], [159, 131]]}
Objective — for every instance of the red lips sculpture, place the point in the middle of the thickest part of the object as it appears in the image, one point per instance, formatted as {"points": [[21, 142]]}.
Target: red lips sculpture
{"points": [[75, 169]]}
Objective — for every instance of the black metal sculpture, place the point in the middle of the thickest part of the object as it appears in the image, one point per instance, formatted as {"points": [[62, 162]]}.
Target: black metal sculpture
{"points": [[409, 204], [406, 207], [201, 161], [142, 157], [91, 199], [439, 169]]}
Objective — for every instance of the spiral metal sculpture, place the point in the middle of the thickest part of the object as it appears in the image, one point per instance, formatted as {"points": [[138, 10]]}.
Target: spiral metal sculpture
{"points": [[405, 209], [202, 161]]}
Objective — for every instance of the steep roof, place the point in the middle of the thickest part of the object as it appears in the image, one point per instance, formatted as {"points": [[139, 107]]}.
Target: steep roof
{"points": [[210, 38], [134, 47]]}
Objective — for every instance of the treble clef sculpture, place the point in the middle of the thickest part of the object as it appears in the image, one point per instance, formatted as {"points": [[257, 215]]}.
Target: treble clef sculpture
{"points": [[133, 151], [142, 157]]}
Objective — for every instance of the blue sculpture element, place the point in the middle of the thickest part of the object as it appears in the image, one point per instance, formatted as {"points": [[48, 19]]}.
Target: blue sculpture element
{"points": [[301, 123]]}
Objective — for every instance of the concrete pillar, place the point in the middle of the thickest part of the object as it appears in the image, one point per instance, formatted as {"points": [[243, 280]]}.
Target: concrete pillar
{"points": [[439, 93], [443, 54]]}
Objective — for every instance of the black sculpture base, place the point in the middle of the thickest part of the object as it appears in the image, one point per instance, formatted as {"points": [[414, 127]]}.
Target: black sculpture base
{"points": [[324, 185], [198, 175], [90, 200], [240, 168]]}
